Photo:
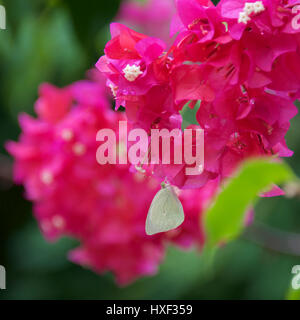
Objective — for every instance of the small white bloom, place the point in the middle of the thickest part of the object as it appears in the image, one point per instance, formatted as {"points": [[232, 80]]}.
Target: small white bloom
{"points": [[243, 18], [67, 134], [132, 72], [58, 222], [79, 149], [249, 8], [258, 7], [47, 177]]}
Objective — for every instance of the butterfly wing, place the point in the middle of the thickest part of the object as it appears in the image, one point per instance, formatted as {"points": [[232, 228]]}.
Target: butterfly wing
{"points": [[165, 213]]}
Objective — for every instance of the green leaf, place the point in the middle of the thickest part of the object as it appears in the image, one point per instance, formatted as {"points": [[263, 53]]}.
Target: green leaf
{"points": [[189, 115], [293, 294], [224, 220]]}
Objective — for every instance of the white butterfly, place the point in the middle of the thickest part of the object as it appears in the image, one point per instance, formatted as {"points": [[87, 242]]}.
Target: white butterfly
{"points": [[165, 213]]}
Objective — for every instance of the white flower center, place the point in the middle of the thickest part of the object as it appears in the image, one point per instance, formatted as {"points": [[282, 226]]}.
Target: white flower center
{"points": [[249, 8], [79, 149], [132, 72], [244, 18], [258, 6], [58, 222], [47, 177], [67, 134]]}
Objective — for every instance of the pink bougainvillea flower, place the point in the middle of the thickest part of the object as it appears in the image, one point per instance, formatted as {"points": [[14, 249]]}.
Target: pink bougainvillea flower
{"points": [[130, 63], [139, 77]]}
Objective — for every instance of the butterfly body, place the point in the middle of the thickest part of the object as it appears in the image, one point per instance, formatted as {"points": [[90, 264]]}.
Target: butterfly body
{"points": [[165, 213]]}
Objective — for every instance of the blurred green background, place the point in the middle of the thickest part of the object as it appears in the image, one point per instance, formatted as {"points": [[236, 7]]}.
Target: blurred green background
{"points": [[57, 41]]}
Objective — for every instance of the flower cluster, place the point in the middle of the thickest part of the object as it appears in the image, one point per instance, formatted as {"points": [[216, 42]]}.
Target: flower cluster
{"points": [[239, 58], [73, 195]]}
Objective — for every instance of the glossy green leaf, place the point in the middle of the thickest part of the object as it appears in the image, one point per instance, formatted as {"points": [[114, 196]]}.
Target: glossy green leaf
{"points": [[225, 218], [293, 294]]}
